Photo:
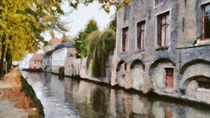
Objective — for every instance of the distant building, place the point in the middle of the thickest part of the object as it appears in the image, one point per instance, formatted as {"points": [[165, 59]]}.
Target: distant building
{"points": [[47, 61], [59, 56], [24, 64], [48, 50], [36, 61], [55, 41], [52, 44]]}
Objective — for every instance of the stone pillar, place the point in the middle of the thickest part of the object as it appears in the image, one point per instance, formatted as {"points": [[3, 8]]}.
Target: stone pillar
{"points": [[128, 82], [147, 80]]}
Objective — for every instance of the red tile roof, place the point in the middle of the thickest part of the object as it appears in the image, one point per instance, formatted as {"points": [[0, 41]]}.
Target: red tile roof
{"points": [[55, 41], [37, 57]]}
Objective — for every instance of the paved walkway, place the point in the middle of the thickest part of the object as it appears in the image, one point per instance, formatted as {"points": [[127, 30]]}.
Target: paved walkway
{"points": [[13, 102], [8, 110]]}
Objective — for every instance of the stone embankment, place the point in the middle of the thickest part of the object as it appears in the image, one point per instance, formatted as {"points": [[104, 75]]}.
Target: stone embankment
{"points": [[131, 76], [17, 98]]}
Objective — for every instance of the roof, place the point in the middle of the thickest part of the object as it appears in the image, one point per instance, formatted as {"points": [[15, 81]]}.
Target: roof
{"points": [[37, 57], [55, 41], [47, 54], [63, 45]]}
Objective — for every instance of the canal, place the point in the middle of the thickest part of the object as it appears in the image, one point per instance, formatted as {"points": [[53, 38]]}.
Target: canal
{"points": [[72, 98]]}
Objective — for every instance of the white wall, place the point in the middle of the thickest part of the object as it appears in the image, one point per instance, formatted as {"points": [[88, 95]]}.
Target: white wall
{"points": [[24, 64], [59, 57]]}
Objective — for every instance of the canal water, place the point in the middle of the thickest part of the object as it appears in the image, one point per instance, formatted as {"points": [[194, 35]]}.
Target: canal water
{"points": [[72, 98]]}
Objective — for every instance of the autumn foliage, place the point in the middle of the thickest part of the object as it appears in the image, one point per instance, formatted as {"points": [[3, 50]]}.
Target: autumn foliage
{"points": [[21, 25]]}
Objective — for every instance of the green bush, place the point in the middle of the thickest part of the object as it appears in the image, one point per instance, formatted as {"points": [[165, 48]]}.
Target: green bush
{"points": [[28, 90]]}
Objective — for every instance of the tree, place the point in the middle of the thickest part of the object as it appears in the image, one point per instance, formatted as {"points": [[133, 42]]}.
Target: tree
{"points": [[65, 38], [105, 3], [113, 24], [99, 46], [80, 43], [22, 22]]}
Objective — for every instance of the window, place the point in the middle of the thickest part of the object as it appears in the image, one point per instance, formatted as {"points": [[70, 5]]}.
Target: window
{"points": [[204, 83], [169, 80], [125, 67], [140, 35], [125, 39], [157, 2], [163, 30], [126, 12], [205, 24]]}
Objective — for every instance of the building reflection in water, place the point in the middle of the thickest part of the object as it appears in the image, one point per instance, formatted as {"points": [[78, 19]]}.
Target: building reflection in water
{"points": [[77, 98]]}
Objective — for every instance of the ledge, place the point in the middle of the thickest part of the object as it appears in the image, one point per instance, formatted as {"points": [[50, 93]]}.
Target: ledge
{"points": [[202, 42], [162, 48], [157, 5], [139, 51]]}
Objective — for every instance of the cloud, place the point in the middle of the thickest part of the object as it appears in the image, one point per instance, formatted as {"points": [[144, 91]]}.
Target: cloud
{"points": [[76, 20]]}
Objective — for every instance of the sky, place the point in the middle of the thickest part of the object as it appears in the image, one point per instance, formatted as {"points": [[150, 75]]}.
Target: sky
{"points": [[76, 20]]}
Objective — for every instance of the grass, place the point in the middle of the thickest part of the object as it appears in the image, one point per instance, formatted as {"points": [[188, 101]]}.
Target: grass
{"points": [[28, 90]]}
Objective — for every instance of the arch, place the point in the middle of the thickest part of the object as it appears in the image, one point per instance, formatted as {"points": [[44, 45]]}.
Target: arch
{"points": [[137, 62], [119, 65], [120, 73], [162, 74], [137, 74], [193, 69], [186, 65], [196, 78], [161, 60]]}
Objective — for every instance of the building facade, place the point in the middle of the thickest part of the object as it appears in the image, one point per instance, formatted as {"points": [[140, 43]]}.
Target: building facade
{"points": [[48, 50], [60, 57], [35, 62], [47, 61], [163, 46]]}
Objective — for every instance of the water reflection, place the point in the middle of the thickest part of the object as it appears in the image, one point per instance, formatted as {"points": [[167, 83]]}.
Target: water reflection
{"points": [[74, 98]]}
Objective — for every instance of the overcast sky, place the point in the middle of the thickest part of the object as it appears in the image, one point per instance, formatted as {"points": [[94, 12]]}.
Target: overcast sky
{"points": [[76, 20]]}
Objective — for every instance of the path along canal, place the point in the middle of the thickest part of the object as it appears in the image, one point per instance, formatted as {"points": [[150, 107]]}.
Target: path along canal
{"points": [[73, 98]]}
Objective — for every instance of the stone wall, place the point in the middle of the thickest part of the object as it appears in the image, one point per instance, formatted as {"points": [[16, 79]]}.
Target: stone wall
{"points": [[185, 52], [77, 67]]}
